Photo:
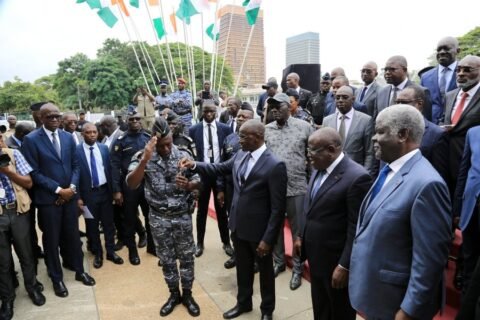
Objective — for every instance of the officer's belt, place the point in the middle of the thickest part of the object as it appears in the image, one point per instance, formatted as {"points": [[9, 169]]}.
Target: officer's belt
{"points": [[10, 206], [167, 212]]}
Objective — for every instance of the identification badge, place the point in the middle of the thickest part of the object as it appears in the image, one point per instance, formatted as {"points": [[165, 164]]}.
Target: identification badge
{"points": [[210, 153], [2, 193]]}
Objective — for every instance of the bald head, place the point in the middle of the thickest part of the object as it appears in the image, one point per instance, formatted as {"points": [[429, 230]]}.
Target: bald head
{"points": [[324, 147], [468, 72], [339, 82], [336, 72], [50, 116], [252, 134], [293, 80], [396, 70], [369, 72], [447, 51]]}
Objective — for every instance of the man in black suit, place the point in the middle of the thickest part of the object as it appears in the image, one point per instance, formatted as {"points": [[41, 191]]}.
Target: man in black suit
{"points": [[51, 153], [328, 223], [256, 214], [16, 139], [293, 82], [208, 136]]}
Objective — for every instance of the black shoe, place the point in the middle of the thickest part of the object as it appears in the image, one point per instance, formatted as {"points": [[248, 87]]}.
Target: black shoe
{"points": [[230, 263], [6, 311], [235, 312], [39, 286], [174, 300], [85, 278], [97, 262], [296, 281], [277, 269], [190, 304], [266, 317], [199, 250], [37, 297], [133, 256], [160, 264], [60, 289], [115, 258], [228, 249], [119, 245], [142, 240]]}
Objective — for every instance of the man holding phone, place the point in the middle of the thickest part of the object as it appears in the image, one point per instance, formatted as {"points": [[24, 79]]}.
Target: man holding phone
{"points": [[144, 101], [205, 94]]}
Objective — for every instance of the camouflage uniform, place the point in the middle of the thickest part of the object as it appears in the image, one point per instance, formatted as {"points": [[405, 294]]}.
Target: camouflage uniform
{"points": [[163, 102], [182, 105], [185, 143], [170, 216], [303, 114]]}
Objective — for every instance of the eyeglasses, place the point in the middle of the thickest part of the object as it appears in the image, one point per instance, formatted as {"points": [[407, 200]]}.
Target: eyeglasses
{"points": [[367, 71], [340, 96], [131, 119], [465, 69], [390, 69], [53, 116]]}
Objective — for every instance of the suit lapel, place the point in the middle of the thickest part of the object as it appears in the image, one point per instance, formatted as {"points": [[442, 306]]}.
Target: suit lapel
{"points": [[84, 162], [48, 142], [449, 108], [353, 125], [260, 162], [471, 105], [331, 180], [453, 82]]}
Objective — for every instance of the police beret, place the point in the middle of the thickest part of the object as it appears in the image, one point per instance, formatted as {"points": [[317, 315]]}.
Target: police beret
{"points": [[181, 80], [160, 128], [37, 106]]}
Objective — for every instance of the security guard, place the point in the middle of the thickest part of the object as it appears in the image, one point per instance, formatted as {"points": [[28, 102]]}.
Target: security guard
{"points": [[144, 102], [182, 104], [129, 143], [297, 111], [169, 193], [180, 140], [163, 100]]}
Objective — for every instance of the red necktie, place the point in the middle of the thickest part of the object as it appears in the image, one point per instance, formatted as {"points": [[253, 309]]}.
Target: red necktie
{"points": [[459, 110]]}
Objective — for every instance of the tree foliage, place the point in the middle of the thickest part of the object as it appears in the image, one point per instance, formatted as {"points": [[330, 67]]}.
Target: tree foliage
{"points": [[470, 43]]}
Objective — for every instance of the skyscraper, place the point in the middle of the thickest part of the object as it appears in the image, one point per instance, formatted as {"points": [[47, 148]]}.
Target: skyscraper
{"points": [[233, 39], [303, 48]]}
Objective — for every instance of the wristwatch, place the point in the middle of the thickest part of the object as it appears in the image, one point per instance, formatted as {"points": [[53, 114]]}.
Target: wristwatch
{"points": [[74, 188]]}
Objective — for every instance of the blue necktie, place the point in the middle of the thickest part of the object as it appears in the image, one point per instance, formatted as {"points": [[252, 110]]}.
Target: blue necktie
{"points": [[317, 183], [93, 168], [363, 94], [443, 81], [380, 182], [242, 170]]}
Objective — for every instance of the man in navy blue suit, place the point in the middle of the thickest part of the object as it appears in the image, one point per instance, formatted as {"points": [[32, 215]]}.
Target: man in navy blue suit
{"points": [[208, 136], [442, 78], [51, 153], [95, 193]]}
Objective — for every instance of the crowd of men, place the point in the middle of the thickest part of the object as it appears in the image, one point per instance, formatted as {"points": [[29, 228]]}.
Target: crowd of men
{"points": [[372, 181]]}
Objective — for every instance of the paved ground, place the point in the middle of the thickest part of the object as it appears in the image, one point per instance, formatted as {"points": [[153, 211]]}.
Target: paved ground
{"points": [[137, 292]]}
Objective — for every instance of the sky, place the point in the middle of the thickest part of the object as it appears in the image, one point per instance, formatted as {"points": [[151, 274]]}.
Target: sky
{"points": [[35, 35]]}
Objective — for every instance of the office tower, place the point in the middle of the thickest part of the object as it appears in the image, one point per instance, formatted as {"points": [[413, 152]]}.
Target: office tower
{"points": [[303, 49]]}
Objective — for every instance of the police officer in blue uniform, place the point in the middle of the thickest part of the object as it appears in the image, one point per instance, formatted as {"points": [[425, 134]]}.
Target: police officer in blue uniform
{"points": [[182, 104], [124, 148]]}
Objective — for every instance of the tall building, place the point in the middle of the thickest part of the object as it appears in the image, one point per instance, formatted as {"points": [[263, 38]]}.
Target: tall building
{"points": [[303, 48], [232, 42]]}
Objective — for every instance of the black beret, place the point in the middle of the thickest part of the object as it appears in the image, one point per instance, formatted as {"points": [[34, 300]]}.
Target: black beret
{"points": [[160, 128], [37, 106]]}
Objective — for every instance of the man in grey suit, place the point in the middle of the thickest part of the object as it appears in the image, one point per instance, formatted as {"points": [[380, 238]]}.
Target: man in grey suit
{"points": [[404, 227], [396, 75], [355, 128], [367, 94]]}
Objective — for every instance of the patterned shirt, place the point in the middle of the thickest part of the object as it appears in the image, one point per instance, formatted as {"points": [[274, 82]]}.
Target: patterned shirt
{"points": [[163, 101], [182, 105], [23, 168], [289, 144], [303, 115]]}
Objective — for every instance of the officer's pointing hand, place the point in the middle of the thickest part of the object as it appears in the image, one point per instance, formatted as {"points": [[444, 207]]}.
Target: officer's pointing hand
{"points": [[186, 163], [149, 148]]}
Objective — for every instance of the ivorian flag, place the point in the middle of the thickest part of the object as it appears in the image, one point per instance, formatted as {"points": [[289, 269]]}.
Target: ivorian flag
{"points": [[252, 8], [212, 32], [159, 27], [107, 16]]}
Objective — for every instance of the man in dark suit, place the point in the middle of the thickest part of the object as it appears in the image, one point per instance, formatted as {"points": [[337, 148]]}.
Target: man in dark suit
{"points": [[256, 214], [21, 130], [208, 136], [51, 153], [442, 78], [404, 227], [396, 75], [462, 112], [95, 194], [328, 223], [70, 121], [293, 82], [367, 94], [434, 145]]}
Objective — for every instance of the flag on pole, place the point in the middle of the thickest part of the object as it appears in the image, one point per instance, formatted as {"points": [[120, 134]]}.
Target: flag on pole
{"points": [[107, 16], [153, 2], [159, 27], [252, 8], [186, 10], [81, 1], [94, 4], [212, 32], [134, 3], [173, 21], [122, 5]]}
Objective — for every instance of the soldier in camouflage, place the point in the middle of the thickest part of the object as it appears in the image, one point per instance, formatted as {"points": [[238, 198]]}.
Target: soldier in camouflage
{"points": [[295, 110], [182, 141], [168, 191], [182, 104]]}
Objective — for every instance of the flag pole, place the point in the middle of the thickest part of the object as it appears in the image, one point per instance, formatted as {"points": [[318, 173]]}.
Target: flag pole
{"points": [[203, 50], [189, 66], [158, 42], [243, 62], [173, 73], [133, 47]]}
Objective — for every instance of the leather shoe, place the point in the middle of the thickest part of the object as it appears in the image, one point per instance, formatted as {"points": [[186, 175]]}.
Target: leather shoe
{"points": [[277, 269], [191, 305], [37, 297], [235, 312], [119, 245], [230, 263], [60, 289], [228, 249], [296, 281], [6, 311], [174, 300], [199, 250], [115, 258], [39, 286], [85, 278], [97, 262], [142, 240], [266, 317], [133, 257]]}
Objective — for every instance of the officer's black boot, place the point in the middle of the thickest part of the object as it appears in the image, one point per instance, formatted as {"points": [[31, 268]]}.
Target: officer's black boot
{"points": [[190, 304], [133, 256], [173, 300]]}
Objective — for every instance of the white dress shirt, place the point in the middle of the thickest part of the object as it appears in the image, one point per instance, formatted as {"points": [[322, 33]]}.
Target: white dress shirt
{"points": [[347, 121], [398, 164], [216, 147], [49, 135], [400, 87], [255, 155], [109, 139], [470, 92], [448, 74], [98, 162]]}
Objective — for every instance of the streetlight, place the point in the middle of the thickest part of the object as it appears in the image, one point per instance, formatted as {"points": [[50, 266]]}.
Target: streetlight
{"points": [[70, 70]]}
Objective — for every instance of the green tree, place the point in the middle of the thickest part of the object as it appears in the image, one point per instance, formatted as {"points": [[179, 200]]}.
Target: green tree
{"points": [[17, 96], [470, 43]]}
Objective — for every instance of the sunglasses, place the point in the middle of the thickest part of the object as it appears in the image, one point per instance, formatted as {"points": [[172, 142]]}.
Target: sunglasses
{"points": [[131, 119]]}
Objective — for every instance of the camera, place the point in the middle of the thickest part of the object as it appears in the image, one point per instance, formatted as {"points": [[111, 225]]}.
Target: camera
{"points": [[4, 160]]}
